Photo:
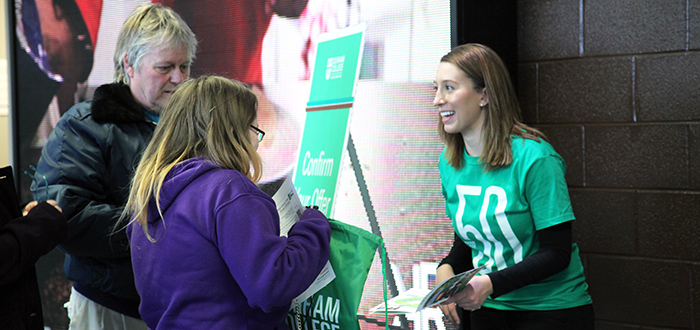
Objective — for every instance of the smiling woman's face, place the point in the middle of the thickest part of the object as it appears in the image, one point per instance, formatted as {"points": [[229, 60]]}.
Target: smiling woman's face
{"points": [[459, 104]]}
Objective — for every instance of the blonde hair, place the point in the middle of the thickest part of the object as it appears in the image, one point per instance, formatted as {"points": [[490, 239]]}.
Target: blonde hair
{"points": [[150, 26], [486, 70], [207, 117]]}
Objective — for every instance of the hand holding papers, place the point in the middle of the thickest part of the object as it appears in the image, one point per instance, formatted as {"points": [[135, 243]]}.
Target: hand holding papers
{"points": [[290, 209], [288, 206], [415, 300], [448, 288]]}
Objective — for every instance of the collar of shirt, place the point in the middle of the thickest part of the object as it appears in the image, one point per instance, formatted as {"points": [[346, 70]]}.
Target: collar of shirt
{"points": [[155, 117]]}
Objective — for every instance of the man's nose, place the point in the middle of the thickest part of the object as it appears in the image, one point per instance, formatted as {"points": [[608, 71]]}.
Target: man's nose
{"points": [[178, 76]]}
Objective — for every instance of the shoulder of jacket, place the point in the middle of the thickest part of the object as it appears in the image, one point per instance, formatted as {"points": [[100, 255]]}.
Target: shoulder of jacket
{"points": [[114, 103]]}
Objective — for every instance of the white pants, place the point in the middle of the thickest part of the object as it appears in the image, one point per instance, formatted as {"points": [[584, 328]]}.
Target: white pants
{"points": [[85, 314]]}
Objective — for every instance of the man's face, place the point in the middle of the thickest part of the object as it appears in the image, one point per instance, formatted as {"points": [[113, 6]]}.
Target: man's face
{"points": [[160, 71]]}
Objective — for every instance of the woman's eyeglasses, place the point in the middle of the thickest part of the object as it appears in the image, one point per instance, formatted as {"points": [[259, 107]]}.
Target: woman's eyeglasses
{"points": [[260, 132]]}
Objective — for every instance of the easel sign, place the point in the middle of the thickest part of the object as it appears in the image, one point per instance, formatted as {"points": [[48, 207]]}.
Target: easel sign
{"points": [[335, 73]]}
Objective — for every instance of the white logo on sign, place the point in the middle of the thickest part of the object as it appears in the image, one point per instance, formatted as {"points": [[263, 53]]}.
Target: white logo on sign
{"points": [[334, 67]]}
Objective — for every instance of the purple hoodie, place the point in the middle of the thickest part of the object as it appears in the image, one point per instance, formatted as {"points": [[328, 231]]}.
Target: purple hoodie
{"points": [[219, 262]]}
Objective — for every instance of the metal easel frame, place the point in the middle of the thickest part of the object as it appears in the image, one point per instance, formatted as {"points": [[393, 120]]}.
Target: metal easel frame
{"points": [[374, 224]]}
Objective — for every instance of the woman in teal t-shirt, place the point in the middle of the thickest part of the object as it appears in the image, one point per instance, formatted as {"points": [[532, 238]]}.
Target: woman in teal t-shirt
{"points": [[505, 192]]}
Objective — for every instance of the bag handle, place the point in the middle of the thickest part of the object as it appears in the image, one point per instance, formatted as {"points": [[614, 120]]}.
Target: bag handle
{"points": [[386, 310]]}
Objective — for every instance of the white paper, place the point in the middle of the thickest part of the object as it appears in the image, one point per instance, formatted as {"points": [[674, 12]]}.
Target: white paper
{"points": [[288, 206], [405, 303], [290, 209], [326, 276]]}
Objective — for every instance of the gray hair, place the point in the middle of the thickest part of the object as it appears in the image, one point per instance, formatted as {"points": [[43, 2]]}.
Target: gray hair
{"points": [[149, 26]]}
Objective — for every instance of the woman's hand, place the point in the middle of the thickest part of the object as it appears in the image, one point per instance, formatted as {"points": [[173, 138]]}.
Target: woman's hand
{"points": [[444, 272], [32, 204], [474, 294], [55, 204], [450, 311]]}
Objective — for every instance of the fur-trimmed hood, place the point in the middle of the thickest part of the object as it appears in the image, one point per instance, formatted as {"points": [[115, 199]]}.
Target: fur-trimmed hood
{"points": [[114, 103]]}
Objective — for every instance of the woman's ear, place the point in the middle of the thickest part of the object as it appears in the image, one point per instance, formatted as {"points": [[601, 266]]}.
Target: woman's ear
{"points": [[484, 97]]}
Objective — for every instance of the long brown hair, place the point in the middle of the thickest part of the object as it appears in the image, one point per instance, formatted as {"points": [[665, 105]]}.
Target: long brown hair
{"points": [[206, 117], [503, 116]]}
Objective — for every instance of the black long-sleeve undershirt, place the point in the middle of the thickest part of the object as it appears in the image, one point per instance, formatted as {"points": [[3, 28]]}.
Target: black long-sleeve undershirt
{"points": [[553, 256]]}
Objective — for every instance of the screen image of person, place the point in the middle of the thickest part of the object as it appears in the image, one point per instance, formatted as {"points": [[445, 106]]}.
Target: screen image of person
{"points": [[90, 155], [205, 240], [53, 56], [505, 192], [231, 36]]}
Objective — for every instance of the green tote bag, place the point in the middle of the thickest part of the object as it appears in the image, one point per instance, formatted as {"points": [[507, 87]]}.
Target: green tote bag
{"points": [[334, 307]]}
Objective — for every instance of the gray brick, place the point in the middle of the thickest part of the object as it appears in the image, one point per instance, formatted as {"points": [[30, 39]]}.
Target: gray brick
{"points": [[634, 26], [668, 225], [667, 87], [640, 291], [636, 156], [693, 24], [586, 90], [605, 221], [527, 92], [695, 292], [602, 325], [548, 29], [694, 155], [568, 142]]}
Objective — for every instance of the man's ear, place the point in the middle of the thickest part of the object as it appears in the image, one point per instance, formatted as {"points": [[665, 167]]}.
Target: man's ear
{"points": [[128, 67]]}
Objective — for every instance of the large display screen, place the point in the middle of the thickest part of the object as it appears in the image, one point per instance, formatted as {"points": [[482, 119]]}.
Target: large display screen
{"points": [[63, 50]]}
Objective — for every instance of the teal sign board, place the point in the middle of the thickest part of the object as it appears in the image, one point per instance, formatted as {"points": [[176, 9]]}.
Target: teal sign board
{"points": [[319, 160], [336, 70]]}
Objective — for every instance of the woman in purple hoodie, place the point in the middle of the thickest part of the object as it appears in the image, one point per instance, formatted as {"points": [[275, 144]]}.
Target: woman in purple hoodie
{"points": [[205, 241]]}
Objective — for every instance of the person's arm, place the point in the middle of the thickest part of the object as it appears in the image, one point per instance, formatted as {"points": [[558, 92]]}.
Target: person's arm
{"points": [[547, 193], [459, 257], [271, 270], [76, 172], [24, 240], [458, 260], [553, 256]]}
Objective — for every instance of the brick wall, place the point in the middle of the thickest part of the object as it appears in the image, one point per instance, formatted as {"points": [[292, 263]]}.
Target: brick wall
{"points": [[615, 84]]}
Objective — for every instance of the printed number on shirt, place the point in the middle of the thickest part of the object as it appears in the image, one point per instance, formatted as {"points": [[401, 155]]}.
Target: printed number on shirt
{"points": [[485, 236]]}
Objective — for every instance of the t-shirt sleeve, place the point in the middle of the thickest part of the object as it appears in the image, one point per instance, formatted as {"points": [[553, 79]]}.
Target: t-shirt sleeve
{"points": [[442, 163], [547, 193]]}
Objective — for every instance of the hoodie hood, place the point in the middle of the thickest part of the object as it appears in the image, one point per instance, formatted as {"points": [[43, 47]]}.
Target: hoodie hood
{"points": [[179, 177]]}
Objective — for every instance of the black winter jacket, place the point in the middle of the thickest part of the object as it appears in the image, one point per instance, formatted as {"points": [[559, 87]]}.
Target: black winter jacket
{"points": [[88, 162], [23, 239]]}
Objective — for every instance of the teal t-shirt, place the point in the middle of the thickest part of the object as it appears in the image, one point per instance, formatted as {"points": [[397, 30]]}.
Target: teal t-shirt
{"points": [[497, 214]]}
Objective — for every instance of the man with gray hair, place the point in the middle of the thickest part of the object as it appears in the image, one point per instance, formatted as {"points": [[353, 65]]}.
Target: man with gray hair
{"points": [[91, 153]]}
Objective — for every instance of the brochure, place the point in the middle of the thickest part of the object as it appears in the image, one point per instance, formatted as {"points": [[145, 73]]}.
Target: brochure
{"points": [[290, 209], [414, 300], [447, 288], [288, 206]]}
